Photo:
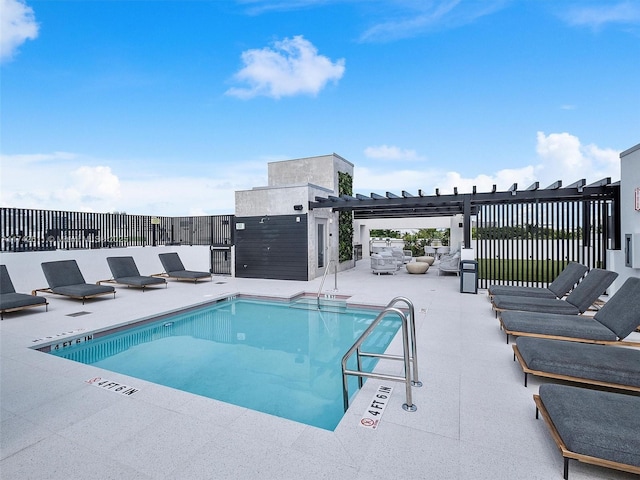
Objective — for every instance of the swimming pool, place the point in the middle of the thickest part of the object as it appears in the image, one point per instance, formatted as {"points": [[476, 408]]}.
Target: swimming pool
{"points": [[280, 358]]}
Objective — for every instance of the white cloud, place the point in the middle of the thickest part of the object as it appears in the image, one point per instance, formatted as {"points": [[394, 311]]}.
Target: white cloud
{"points": [[68, 181], [97, 182], [367, 180], [292, 67], [17, 25], [257, 7], [415, 18], [563, 157], [74, 182], [386, 152], [58, 181], [596, 16], [560, 156], [33, 158]]}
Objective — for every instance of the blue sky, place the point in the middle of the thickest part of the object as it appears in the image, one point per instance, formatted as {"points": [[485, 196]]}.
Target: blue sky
{"points": [[168, 107]]}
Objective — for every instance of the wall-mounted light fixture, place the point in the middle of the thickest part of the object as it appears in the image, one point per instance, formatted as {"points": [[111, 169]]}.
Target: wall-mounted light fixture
{"points": [[297, 207]]}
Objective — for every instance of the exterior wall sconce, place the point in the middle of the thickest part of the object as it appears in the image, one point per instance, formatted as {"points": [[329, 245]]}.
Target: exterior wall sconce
{"points": [[297, 207]]}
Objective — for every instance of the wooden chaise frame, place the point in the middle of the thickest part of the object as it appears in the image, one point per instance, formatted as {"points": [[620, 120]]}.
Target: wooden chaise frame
{"points": [[16, 309], [179, 278], [568, 454], [514, 333], [569, 378], [77, 297], [592, 310], [113, 281]]}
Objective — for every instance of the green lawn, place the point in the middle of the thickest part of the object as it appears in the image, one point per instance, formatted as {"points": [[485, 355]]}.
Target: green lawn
{"points": [[544, 271]]}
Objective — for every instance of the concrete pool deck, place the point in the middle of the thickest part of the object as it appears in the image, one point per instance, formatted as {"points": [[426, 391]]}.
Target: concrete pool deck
{"points": [[474, 418]]}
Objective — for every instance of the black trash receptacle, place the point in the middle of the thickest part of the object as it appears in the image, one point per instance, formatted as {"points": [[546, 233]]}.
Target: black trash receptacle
{"points": [[468, 276]]}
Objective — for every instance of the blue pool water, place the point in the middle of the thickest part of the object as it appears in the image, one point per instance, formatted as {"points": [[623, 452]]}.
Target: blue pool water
{"points": [[274, 357]]}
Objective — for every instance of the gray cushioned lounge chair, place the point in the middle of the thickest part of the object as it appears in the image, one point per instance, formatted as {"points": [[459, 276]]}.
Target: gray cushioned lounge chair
{"points": [[11, 301], [125, 272], [613, 323], [592, 426], [578, 301], [65, 278], [174, 268], [563, 284], [602, 365], [449, 263], [383, 262]]}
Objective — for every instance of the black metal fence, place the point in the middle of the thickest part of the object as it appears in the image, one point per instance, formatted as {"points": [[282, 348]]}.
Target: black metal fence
{"points": [[530, 243], [24, 230]]}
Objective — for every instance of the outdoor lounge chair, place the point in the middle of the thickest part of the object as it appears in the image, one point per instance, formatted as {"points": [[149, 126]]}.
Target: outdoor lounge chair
{"points": [[383, 262], [398, 255], [125, 272], [612, 324], [65, 278], [602, 365], [449, 263], [10, 301], [578, 301], [174, 268], [592, 426], [563, 283]]}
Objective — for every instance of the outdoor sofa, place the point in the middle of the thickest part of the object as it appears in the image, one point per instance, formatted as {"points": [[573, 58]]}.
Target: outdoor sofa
{"points": [[11, 301], [592, 426], [578, 301], [174, 268], [602, 365], [563, 284], [65, 278], [125, 272], [612, 324]]}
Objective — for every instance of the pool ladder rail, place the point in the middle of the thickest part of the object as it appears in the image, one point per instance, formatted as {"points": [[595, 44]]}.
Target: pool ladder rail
{"points": [[409, 354], [324, 277]]}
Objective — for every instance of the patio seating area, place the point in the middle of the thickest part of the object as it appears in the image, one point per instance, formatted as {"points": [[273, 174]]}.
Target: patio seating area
{"points": [[474, 418]]}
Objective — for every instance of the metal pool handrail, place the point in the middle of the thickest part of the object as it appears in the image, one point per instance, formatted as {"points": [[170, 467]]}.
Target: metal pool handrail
{"points": [[335, 285], [412, 337], [406, 378]]}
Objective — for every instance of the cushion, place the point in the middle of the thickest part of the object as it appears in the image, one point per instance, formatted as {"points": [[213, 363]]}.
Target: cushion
{"points": [[563, 283], [583, 360], [140, 281], [188, 274], [16, 300], [521, 291], [532, 304], [122, 267], [62, 273], [573, 326], [621, 313], [6, 285], [171, 262], [566, 280], [590, 288], [83, 290], [595, 423]]}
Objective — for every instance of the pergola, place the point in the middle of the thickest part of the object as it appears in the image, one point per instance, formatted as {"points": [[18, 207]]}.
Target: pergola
{"points": [[406, 205]]}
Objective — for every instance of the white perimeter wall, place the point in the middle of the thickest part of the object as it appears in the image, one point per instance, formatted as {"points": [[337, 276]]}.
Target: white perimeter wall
{"points": [[361, 228], [629, 216], [26, 273]]}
